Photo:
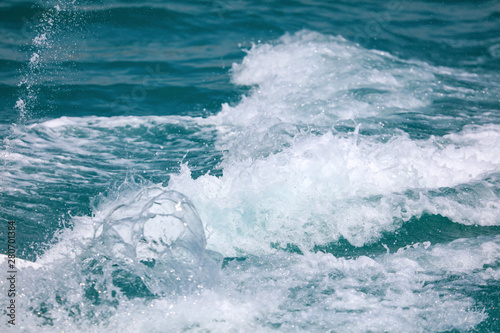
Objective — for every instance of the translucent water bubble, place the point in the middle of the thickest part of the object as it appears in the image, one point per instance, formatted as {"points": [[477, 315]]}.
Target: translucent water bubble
{"points": [[151, 243], [143, 243]]}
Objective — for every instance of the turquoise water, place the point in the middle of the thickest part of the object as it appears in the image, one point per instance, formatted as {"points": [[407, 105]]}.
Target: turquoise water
{"points": [[217, 166]]}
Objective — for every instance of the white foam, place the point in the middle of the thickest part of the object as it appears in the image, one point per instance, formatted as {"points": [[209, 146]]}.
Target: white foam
{"points": [[18, 263], [289, 178], [404, 291], [462, 256], [308, 80], [157, 225], [112, 122], [323, 187]]}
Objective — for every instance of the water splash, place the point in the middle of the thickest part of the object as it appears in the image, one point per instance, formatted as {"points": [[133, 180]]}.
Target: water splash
{"points": [[157, 236], [140, 245]]}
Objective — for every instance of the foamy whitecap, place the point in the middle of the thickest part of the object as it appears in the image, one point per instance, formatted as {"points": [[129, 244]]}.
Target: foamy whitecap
{"points": [[290, 177], [60, 148], [309, 81], [327, 186]]}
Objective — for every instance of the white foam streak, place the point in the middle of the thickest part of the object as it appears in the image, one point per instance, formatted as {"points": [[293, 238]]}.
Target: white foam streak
{"points": [[90, 149], [112, 122]]}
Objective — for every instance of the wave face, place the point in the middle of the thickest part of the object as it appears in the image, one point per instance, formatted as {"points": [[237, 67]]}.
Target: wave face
{"points": [[237, 166]]}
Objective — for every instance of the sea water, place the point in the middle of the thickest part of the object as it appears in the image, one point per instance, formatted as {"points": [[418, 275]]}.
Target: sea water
{"points": [[246, 166]]}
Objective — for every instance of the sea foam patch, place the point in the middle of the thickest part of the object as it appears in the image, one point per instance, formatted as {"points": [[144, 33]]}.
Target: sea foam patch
{"points": [[142, 232], [408, 290]]}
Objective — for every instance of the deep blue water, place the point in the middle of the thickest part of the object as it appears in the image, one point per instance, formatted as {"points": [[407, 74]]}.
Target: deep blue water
{"points": [[251, 166]]}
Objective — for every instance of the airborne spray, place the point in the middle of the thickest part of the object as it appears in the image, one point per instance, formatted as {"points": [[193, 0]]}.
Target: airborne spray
{"points": [[46, 26], [49, 48]]}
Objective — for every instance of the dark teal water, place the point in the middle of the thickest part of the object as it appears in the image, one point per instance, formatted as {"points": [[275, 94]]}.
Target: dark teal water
{"points": [[213, 166]]}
